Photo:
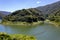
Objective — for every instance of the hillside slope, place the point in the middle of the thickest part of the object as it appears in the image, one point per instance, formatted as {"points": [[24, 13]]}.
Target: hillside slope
{"points": [[25, 15], [49, 8], [51, 11]]}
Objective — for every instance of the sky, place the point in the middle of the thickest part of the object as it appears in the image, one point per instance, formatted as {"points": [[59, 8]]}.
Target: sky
{"points": [[13, 5]]}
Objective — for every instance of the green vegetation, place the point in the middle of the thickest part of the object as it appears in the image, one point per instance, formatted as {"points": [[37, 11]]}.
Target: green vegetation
{"points": [[4, 36], [31, 16], [55, 17], [22, 23], [24, 16], [51, 12], [57, 24]]}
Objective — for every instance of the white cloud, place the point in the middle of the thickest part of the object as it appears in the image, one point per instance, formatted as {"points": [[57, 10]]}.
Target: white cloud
{"points": [[37, 2]]}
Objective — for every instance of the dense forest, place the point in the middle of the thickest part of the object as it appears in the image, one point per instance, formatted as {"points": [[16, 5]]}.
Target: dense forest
{"points": [[25, 15]]}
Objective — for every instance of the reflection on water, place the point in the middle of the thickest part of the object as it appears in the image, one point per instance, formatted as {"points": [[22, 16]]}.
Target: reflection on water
{"points": [[42, 32]]}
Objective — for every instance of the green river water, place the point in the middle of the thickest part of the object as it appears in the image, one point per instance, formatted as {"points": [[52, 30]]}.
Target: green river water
{"points": [[41, 32]]}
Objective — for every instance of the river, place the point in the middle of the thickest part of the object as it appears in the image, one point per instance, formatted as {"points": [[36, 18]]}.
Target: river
{"points": [[41, 32]]}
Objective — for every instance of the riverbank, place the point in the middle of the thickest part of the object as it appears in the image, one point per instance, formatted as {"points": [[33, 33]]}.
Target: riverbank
{"points": [[52, 22], [5, 36], [22, 23], [33, 23]]}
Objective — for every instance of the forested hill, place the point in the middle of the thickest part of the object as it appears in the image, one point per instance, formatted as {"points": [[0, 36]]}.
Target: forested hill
{"points": [[25, 15], [51, 11], [50, 8], [55, 16]]}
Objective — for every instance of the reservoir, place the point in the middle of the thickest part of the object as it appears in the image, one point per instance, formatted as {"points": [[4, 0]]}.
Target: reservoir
{"points": [[41, 32]]}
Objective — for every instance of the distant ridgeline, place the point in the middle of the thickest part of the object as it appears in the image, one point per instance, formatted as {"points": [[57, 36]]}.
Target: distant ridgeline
{"points": [[25, 15], [51, 11], [3, 14]]}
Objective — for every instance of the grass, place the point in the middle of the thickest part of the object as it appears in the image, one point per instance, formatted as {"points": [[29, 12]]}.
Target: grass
{"points": [[53, 22], [22, 23], [5, 36]]}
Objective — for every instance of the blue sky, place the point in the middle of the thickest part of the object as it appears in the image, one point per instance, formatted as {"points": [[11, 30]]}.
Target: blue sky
{"points": [[12, 5]]}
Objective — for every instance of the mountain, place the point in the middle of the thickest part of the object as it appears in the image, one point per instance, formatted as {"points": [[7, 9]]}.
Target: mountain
{"points": [[25, 15], [51, 11], [3, 13], [51, 8]]}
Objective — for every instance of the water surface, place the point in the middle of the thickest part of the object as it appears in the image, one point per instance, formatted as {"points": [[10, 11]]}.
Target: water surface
{"points": [[42, 32]]}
